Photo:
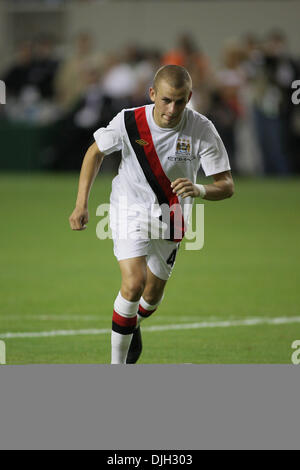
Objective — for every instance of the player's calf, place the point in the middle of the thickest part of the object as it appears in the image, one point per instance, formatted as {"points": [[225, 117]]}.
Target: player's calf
{"points": [[136, 345], [123, 325]]}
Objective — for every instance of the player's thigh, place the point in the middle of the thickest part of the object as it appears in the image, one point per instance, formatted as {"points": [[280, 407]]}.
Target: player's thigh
{"points": [[131, 254], [161, 258], [134, 268], [134, 276]]}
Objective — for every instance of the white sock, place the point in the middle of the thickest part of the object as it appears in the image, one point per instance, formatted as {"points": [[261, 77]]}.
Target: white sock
{"points": [[145, 309], [124, 323]]}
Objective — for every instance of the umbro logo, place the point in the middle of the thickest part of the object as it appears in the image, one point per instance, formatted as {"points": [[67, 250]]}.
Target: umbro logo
{"points": [[142, 142]]}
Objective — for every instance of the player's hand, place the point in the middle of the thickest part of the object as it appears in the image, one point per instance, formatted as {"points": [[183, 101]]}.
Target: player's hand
{"points": [[185, 188], [79, 218]]}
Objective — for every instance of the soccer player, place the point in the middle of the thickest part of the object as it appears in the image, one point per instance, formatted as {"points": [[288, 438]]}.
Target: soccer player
{"points": [[163, 146]]}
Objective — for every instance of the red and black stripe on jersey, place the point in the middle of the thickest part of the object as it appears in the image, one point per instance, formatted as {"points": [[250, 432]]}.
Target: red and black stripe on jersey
{"points": [[138, 130], [123, 325]]}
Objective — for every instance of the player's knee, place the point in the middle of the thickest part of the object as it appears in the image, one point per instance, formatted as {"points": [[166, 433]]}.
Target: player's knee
{"points": [[133, 287]]}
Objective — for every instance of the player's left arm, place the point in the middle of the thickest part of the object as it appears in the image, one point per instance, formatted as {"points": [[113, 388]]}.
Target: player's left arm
{"points": [[221, 188]]}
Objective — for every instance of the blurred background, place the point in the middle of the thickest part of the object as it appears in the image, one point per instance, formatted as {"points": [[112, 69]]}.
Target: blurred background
{"points": [[70, 66]]}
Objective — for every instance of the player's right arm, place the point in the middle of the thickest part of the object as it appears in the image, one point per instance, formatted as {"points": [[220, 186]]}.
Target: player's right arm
{"points": [[89, 170], [108, 139]]}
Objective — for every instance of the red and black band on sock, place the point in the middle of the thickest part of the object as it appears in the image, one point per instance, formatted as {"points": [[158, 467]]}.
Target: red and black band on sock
{"points": [[145, 313], [138, 131], [123, 325]]}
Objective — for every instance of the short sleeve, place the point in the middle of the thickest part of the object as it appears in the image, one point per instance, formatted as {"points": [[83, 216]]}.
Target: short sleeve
{"points": [[109, 139], [213, 155]]}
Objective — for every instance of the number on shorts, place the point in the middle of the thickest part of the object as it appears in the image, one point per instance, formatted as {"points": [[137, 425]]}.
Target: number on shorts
{"points": [[171, 259]]}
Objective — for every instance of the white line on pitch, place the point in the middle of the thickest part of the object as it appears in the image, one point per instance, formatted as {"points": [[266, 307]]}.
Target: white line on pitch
{"points": [[46, 317], [183, 326], [73, 317]]}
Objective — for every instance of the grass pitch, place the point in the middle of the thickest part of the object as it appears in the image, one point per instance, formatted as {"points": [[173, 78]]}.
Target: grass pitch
{"points": [[53, 279]]}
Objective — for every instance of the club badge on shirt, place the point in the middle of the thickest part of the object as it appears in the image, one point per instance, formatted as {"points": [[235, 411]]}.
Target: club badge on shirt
{"points": [[183, 147]]}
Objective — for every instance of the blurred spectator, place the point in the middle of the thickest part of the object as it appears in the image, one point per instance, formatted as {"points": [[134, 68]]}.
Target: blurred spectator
{"points": [[17, 76], [129, 76], [93, 110], [35, 66], [120, 81], [253, 55], [249, 157], [231, 74], [29, 83], [43, 67], [227, 105], [189, 55], [272, 104], [144, 70], [186, 53], [69, 82]]}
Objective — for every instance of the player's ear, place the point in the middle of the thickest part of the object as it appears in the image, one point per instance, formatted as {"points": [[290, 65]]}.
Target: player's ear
{"points": [[152, 94]]}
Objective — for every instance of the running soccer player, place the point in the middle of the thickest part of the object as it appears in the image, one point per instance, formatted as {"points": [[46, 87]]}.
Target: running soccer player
{"points": [[163, 146]]}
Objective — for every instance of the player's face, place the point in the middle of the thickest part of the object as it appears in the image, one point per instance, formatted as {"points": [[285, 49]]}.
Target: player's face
{"points": [[169, 103]]}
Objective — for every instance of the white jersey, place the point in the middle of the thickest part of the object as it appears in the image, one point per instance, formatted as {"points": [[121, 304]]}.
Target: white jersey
{"points": [[153, 157]]}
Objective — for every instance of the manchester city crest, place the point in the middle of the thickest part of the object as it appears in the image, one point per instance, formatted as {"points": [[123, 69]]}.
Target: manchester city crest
{"points": [[183, 146]]}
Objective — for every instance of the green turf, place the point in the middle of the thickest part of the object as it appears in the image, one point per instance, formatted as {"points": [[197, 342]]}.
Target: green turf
{"points": [[55, 279]]}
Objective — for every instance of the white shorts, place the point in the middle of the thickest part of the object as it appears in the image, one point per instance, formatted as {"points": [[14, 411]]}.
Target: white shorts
{"points": [[132, 238], [160, 254]]}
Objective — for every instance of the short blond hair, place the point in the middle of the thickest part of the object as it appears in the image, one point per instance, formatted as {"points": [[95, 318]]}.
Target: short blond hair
{"points": [[175, 75]]}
